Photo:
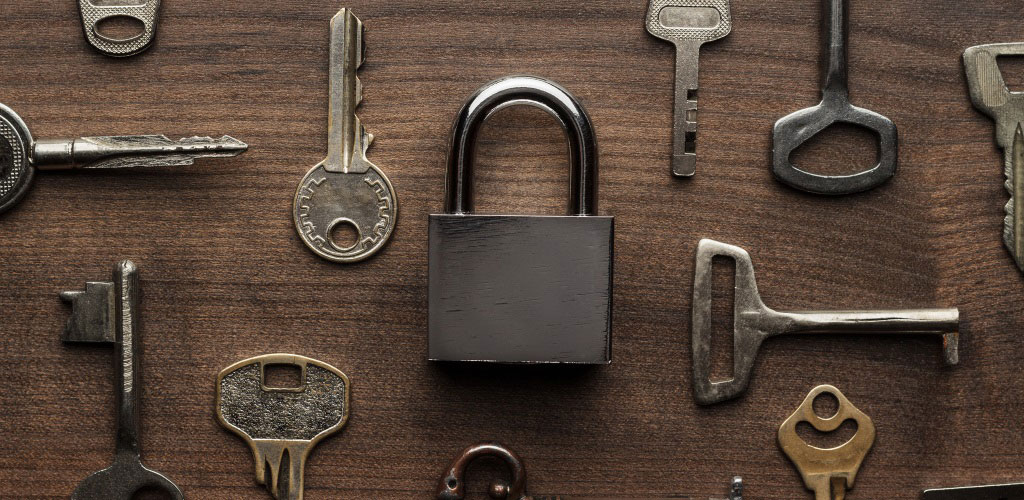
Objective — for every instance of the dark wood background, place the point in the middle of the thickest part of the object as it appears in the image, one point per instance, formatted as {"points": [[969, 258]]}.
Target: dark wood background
{"points": [[225, 277]]}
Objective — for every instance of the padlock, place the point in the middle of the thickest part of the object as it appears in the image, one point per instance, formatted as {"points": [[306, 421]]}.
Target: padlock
{"points": [[519, 288]]}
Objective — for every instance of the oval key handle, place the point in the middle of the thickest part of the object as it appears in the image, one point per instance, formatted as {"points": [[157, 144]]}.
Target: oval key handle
{"points": [[453, 484], [832, 468], [16, 171], [93, 15]]}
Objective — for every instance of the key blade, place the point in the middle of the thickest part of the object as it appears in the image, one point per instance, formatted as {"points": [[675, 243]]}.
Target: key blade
{"points": [[347, 138], [1013, 232], [152, 151]]}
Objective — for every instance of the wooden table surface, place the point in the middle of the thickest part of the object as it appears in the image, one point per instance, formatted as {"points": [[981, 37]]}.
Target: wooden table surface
{"points": [[225, 277]]}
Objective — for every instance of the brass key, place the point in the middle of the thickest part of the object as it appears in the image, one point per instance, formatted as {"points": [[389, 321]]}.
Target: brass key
{"points": [[827, 472]]}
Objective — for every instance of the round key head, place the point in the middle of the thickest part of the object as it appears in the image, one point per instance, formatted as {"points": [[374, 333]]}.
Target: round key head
{"points": [[16, 170]]}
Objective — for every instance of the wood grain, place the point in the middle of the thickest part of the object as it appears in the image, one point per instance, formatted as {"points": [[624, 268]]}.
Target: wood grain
{"points": [[225, 277]]}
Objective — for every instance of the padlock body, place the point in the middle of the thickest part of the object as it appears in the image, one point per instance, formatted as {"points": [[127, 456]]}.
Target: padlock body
{"points": [[520, 289]]}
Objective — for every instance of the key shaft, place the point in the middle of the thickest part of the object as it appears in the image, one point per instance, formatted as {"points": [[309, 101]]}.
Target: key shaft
{"points": [[130, 151], [684, 142], [347, 138], [836, 65]]}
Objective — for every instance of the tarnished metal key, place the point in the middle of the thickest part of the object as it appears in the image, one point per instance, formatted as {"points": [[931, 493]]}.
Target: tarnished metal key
{"points": [[827, 472], [282, 425], [453, 483], [345, 188], [992, 97], [21, 156], [143, 11], [688, 24], [754, 322], [108, 313]]}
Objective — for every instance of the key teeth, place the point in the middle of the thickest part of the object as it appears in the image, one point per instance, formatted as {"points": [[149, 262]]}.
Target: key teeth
{"points": [[91, 318]]}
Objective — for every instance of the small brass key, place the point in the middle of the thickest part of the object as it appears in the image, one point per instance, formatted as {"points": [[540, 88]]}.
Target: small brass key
{"points": [[827, 472], [282, 423]]}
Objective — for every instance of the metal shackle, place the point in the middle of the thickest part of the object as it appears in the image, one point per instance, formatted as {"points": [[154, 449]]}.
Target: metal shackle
{"points": [[532, 91], [453, 483]]}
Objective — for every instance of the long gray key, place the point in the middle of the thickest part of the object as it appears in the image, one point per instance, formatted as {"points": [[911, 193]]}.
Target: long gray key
{"points": [[688, 24], [108, 313], [21, 156]]}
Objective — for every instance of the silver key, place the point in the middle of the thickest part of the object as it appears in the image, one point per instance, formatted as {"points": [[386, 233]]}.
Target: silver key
{"points": [[688, 24], [21, 156], [345, 188], [144, 11]]}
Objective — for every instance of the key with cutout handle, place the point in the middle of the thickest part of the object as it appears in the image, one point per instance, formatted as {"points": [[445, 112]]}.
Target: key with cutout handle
{"points": [[143, 11], [754, 322], [827, 472], [794, 130]]}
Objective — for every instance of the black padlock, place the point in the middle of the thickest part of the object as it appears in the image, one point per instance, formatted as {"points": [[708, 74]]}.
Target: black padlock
{"points": [[515, 288]]}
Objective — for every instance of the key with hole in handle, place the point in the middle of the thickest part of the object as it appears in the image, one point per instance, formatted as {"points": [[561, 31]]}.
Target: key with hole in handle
{"points": [[992, 97], [827, 472], [345, 188], [21, 156], [282, 425], [754, 322], [143, 11], [688, 24], [108, 313], [794, 130]]}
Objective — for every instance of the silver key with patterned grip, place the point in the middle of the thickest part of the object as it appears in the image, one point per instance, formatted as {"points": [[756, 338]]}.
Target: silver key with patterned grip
{"points": [[21, 156], [688, 24], [345, 188], [144, 11]]}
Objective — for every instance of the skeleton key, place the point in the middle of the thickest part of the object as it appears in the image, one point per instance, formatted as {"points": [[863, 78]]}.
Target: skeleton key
{"points": [[345, 188], [992, 97], [21, 156], [144, 11], [108, 313], [688, 24], [453, 484], [754, 322], [827, 472], [794, 130], [282, 425]]}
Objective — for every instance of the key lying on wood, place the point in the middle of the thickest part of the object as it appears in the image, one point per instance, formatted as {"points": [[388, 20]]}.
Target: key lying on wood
{"points": [[688, 24], [143, 11], [108, 313], [992, 492], [754, 322], [453, 484], [282, 425], [992, 97], [21, 156], [827, 472]]}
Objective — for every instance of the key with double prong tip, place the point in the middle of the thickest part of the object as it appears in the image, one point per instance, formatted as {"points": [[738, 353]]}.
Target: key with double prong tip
{"points": [[829, 473], [21, 156], [345, 189], [108, 313], [688, 24], [143, 11], [754, 322], [992, 97], [282, 425]]}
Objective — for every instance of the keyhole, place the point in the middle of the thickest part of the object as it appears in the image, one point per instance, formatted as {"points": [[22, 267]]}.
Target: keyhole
{"points": [[840, 149], [120, 28], [344, 235], [282, 376], [826, 405], [1012, 68]]}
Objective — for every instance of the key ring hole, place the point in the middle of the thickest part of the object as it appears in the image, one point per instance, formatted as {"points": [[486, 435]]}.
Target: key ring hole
{"points": [[281, 376], [120, 28], [1011, 67], [826, 406], [840, 149], [344, 235]]}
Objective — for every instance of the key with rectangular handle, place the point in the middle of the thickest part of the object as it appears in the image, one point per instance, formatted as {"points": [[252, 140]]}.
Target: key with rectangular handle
{"points": [[688, 24], [282, 425], [754, 322], [143, 11], [107, 313], [21, 155]]}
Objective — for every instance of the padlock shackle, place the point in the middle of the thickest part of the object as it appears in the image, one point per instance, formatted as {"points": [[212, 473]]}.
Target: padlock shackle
{"points": [[532, 91]]}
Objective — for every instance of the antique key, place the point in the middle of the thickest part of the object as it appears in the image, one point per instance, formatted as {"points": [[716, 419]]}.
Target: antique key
{"points": [[345, 188], [453, 483], [282, 425], [754, 322], [143, 11], [827, 472], [21, 156], [990, 492], [794, 130], [992, 97], [688, 24], [108, 313]]}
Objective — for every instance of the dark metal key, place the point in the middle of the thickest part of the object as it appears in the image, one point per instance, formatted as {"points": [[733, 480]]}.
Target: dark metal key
{"points": [[794, 130], [108, 313]]}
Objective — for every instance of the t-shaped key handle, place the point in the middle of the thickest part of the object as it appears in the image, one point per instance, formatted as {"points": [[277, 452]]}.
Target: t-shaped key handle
{"points": [[754, 322]]}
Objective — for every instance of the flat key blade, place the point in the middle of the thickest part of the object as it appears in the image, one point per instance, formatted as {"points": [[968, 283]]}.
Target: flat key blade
{"points": [[1013, 231], [346, 136], [132, 151]]}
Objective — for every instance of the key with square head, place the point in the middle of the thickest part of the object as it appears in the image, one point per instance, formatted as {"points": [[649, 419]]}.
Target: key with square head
{"points": [[143, 11], [991, 96], [107, 313], [794, 130], [21, 156], [827, 472], [345, 189], [688, 24], [282, 425], [754, 322]]}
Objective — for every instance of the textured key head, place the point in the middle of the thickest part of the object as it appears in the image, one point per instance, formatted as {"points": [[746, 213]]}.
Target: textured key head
{"points": [[16, 170], [989, 91], [689, 20]]}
